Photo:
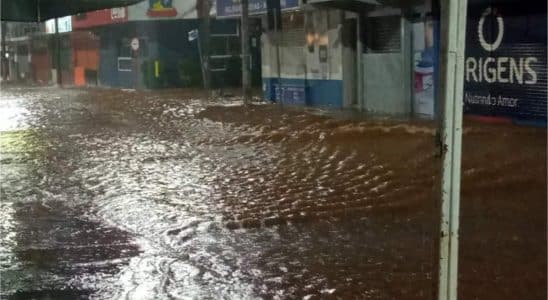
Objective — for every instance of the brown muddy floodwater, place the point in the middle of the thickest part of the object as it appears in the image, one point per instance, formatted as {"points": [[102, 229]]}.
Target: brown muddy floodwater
{"points": [[160, 195]]}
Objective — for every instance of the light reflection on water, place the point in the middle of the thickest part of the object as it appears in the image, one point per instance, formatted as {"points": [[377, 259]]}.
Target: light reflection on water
{"points": [[12, 117]]}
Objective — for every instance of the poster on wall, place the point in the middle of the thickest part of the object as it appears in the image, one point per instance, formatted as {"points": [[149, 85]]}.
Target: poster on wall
{"points": [[505, 63], [424, 56], [163, 9]]}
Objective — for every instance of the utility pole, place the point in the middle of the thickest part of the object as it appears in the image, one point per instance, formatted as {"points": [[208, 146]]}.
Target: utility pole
{"points": [[246, 88], [453, 38], [204, 39], [58, 52]]}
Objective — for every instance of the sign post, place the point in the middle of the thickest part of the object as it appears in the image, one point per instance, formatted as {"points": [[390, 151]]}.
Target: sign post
{"points": [[58, 53], [134, 44], [453, 18]]}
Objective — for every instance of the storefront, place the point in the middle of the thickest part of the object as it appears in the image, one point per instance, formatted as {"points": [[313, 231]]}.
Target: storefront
{"points": [[384, 60], [350, 57], [61, 49], [145, 45], [18, 59]]}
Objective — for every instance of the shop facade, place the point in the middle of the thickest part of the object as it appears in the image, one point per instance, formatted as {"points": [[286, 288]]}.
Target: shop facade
{"points": [[384, 60], [145, 45], [351, 57]]}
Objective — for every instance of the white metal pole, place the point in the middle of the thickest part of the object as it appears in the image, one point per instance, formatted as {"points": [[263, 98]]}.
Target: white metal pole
{"points": [[453, 21]]}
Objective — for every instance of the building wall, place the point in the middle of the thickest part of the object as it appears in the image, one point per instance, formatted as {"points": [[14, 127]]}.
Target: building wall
{"points": [[310, 61], [99, 18], [20, 29], [162, 29], [119, 66], [23, 60], [386, 62], [324, 58], [85, 47], [231, 8], [425, 59], [40, 59], [66, 57], [292, 65], [174, 49], [19, 41]]}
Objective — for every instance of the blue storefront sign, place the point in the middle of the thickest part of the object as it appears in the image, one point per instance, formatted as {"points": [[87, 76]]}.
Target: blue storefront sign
{"points": [[505, 63], [231, 8]]}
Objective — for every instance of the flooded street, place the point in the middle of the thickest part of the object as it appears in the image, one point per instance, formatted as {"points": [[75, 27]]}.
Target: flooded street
{"points": [[109, 194]]}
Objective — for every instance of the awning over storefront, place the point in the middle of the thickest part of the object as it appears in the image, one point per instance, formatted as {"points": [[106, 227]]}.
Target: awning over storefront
{"points": [[41, 10]]}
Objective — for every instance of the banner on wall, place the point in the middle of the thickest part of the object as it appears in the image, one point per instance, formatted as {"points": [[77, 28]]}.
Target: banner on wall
{"points": [[100, 17], [164, 9], [161, 8], [505, 63], [231, 8]]}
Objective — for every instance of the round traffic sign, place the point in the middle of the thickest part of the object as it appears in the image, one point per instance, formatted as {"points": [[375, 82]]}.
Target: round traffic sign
{"points": [[135, 44]]}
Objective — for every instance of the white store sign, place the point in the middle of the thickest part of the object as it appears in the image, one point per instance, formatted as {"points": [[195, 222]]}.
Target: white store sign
{"points": [[65, 25]]}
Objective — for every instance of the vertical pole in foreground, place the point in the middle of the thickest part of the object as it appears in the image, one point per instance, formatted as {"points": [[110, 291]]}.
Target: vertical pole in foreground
{"points": [[58, 53], [453, 20], [204, 39], [245, 51]]}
